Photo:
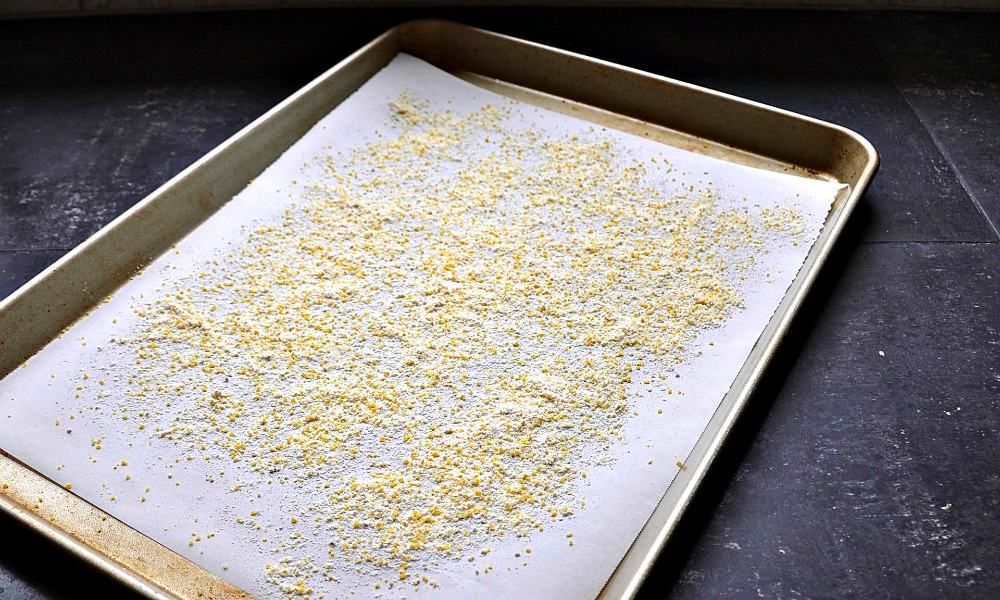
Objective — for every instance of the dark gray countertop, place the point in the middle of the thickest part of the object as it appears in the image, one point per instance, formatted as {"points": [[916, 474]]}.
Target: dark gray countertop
{"points": [[853, 473]]}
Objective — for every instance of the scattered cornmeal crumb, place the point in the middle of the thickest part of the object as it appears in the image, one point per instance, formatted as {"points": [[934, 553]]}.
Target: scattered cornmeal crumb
{"points": [[440, 337]]}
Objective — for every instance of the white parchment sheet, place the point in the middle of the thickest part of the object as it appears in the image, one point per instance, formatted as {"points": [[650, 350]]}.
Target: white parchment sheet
{"points": [[188, 498]]}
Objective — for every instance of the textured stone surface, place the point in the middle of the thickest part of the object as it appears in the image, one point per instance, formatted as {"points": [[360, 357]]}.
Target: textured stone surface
{"points": [[16, 268], [948, 68], [77, 156]]}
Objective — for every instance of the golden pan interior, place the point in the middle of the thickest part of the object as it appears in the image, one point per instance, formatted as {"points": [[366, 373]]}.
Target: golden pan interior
{"points": [[675, 113]]}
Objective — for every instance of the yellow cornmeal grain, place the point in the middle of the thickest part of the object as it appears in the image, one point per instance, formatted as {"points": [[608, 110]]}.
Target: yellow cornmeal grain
{"points": [[782, 219], [440, 337]]}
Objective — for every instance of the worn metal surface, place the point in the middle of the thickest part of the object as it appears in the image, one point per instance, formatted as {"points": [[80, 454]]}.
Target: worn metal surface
{"points": [[677, 113], [103, 541]]}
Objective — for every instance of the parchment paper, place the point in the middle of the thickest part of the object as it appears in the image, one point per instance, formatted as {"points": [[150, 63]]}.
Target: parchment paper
{"points": [[191, 497]]}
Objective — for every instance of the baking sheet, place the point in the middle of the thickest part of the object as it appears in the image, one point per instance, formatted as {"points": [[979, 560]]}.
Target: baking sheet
{"points": [[190, 499]]}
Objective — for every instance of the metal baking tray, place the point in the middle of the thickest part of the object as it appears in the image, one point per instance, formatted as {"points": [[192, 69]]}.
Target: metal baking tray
{"points": [[663, 109]]}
